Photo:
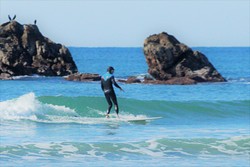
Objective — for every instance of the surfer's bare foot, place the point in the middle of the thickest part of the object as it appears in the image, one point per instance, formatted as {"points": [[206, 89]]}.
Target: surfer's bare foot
{"points": [[118, 117], [107, 116]]}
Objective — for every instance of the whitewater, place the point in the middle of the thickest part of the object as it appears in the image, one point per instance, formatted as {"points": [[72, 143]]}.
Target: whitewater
{"points": [[48, 121]]}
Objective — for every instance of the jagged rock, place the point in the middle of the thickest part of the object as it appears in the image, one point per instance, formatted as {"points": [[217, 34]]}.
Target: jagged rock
{"points": [[83, 77], [25, 51], [167, 58]]}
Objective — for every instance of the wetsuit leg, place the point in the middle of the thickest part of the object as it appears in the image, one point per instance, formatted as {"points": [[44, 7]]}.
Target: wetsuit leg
{"points": [[113, 97], [107, 96]]}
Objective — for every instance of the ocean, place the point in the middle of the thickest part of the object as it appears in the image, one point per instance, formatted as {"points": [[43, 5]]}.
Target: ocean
{"points": [[48, 121]]}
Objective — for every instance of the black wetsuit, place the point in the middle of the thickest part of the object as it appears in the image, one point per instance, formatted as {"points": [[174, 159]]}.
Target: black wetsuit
{"points": [[107, 82]]}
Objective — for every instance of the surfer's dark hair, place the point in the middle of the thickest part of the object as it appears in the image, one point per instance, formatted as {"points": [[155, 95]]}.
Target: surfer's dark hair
{"points": [[110, 68]]}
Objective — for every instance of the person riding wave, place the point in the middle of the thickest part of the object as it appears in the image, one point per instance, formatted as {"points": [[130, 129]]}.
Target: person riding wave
{"points": [[107, 82]]}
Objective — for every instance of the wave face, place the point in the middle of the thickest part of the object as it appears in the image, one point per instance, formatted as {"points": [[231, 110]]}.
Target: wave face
{"points": [[61, 109]]}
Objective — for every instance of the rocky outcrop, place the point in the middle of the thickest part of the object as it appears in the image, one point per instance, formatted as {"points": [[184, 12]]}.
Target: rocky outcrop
{"points": [[172, 81], [133, 80], [167, 59], [83, 77], [146, 80], [25, 51]]}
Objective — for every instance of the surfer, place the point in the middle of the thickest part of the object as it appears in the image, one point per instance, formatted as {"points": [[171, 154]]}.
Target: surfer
{"points": [[107, 82]]}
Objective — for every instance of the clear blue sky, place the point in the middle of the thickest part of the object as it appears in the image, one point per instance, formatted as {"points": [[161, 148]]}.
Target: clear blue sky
{"points": [[127, 23]]}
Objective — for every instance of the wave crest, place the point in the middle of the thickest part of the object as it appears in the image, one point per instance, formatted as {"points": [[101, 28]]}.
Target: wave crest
{"points": [[28, 107]]}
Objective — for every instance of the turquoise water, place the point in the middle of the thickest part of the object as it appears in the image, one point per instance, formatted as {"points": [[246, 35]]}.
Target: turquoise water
{"points": [[47, 121]]}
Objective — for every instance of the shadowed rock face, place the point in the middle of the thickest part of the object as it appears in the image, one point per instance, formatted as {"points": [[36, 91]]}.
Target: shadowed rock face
{"points": [[25, 51], [167, 58]]}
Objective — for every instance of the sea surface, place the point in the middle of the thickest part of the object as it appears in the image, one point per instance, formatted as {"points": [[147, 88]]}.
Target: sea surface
{"points": [[48, 121]]}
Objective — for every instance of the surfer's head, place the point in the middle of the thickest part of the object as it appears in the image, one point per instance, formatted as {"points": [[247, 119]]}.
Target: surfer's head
{"points": [[110, 69]]}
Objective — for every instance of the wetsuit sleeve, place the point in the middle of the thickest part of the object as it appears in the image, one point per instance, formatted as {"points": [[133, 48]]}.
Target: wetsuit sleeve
{"points": [[113, 81]]}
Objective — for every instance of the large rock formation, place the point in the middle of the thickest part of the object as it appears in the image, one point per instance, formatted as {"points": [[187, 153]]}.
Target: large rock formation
{"points": [[167, 58], [25, 51]]}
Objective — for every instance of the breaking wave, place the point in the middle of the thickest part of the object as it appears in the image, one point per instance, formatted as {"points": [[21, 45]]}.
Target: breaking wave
{"points": [[62, 109]]}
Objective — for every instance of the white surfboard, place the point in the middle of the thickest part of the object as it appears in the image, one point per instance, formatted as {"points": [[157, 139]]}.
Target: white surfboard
{"points": [[139, 119]]}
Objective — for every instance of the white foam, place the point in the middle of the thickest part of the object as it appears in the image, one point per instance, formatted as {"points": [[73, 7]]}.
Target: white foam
{"points": [[127, 117], [21, 107], [153, 144], [221, 148], [230, 146], [43, 145], [30, 108], [144, 151], [68, 149], [27, 77]]}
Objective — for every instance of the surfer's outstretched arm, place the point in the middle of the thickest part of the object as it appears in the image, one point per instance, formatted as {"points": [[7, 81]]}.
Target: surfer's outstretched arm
{"points": [[116, 85]]}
